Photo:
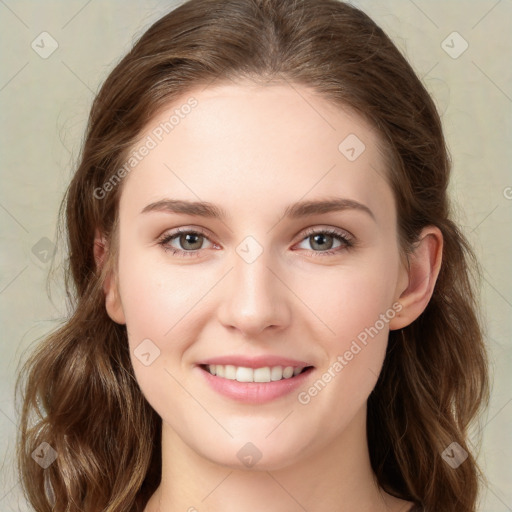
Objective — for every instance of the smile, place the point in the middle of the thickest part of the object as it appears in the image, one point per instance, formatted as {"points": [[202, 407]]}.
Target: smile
{"points": [[255, 385], [263, 374]]}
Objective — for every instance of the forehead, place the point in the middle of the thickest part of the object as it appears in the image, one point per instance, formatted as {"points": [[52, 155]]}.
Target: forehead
{"points": [[277, 143]]}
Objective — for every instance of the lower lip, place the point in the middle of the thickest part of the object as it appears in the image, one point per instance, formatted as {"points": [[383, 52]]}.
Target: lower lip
{"points": [[254, 392]]}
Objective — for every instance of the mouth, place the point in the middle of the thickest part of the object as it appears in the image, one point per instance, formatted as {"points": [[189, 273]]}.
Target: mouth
{"points": [[262, 375]]}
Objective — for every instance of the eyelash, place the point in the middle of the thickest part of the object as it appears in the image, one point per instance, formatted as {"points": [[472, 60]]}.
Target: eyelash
{"points": [[348, 242]]}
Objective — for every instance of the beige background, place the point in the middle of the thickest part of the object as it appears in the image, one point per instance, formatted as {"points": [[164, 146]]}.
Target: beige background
{"points": [[45, 102]]}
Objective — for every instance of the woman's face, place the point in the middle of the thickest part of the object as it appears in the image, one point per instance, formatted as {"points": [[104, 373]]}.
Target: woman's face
{"points": [[262, 278]]}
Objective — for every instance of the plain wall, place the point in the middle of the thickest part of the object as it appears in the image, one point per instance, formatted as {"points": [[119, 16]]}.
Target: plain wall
{"points": [[44, 105]]}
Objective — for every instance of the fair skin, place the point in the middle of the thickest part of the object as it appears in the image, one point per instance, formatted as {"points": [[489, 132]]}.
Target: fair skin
{"points": [[253, 150]]}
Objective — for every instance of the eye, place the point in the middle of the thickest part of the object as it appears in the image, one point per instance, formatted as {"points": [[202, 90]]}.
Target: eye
{"points": [[324, 239], [191, 242]]}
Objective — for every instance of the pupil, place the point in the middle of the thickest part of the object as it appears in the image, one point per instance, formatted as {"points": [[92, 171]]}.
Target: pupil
{"points": [[322, 244], [188, 241]]}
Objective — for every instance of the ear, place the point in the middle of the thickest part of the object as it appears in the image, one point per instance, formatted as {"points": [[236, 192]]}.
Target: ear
{"points": [[110, 286], [420, 277]]}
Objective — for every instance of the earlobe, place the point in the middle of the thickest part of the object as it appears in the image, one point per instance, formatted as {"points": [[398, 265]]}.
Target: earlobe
{"points": [[424, 266], [110, 286]]}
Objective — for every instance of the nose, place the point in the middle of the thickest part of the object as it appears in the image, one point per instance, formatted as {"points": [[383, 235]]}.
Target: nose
{"points": [[254, 298]]}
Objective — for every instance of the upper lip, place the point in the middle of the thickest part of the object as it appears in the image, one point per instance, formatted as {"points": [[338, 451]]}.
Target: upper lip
{"points": [[254, 362]]}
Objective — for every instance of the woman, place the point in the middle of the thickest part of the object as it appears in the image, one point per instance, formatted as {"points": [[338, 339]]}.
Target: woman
{"points": [[218, 357]]}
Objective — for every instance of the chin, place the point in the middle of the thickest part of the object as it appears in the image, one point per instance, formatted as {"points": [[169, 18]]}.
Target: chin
{"points": [[254, 456]]}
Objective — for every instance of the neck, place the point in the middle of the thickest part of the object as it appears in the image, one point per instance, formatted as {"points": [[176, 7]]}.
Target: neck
{"points": [[337, 478]]}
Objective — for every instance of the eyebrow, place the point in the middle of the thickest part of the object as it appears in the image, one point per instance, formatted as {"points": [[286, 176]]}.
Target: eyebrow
{"points": [[293, 211]]}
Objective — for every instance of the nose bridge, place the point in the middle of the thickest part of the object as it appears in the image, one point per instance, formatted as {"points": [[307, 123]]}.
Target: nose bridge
{"points": [[254, 300]]}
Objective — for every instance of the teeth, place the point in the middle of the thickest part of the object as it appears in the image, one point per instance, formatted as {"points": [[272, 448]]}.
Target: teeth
{"points": [[287, 372], [230, 372], [243, 374], [262, 374], [276, 373]]}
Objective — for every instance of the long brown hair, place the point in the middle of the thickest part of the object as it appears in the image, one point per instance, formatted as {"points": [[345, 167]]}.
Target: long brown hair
{"points": [[80, 394]]}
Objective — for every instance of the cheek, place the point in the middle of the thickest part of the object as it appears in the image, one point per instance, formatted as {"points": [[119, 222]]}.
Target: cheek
{"points": [[355, 307], [154, 299], [156, 302], [350, 299], [359, 316]]}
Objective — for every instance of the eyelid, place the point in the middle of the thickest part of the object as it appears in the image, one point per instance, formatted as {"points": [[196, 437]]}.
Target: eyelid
{"points": [[327, 229], [343, 235], [185, 229], [347, 241], [173, 233]]}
